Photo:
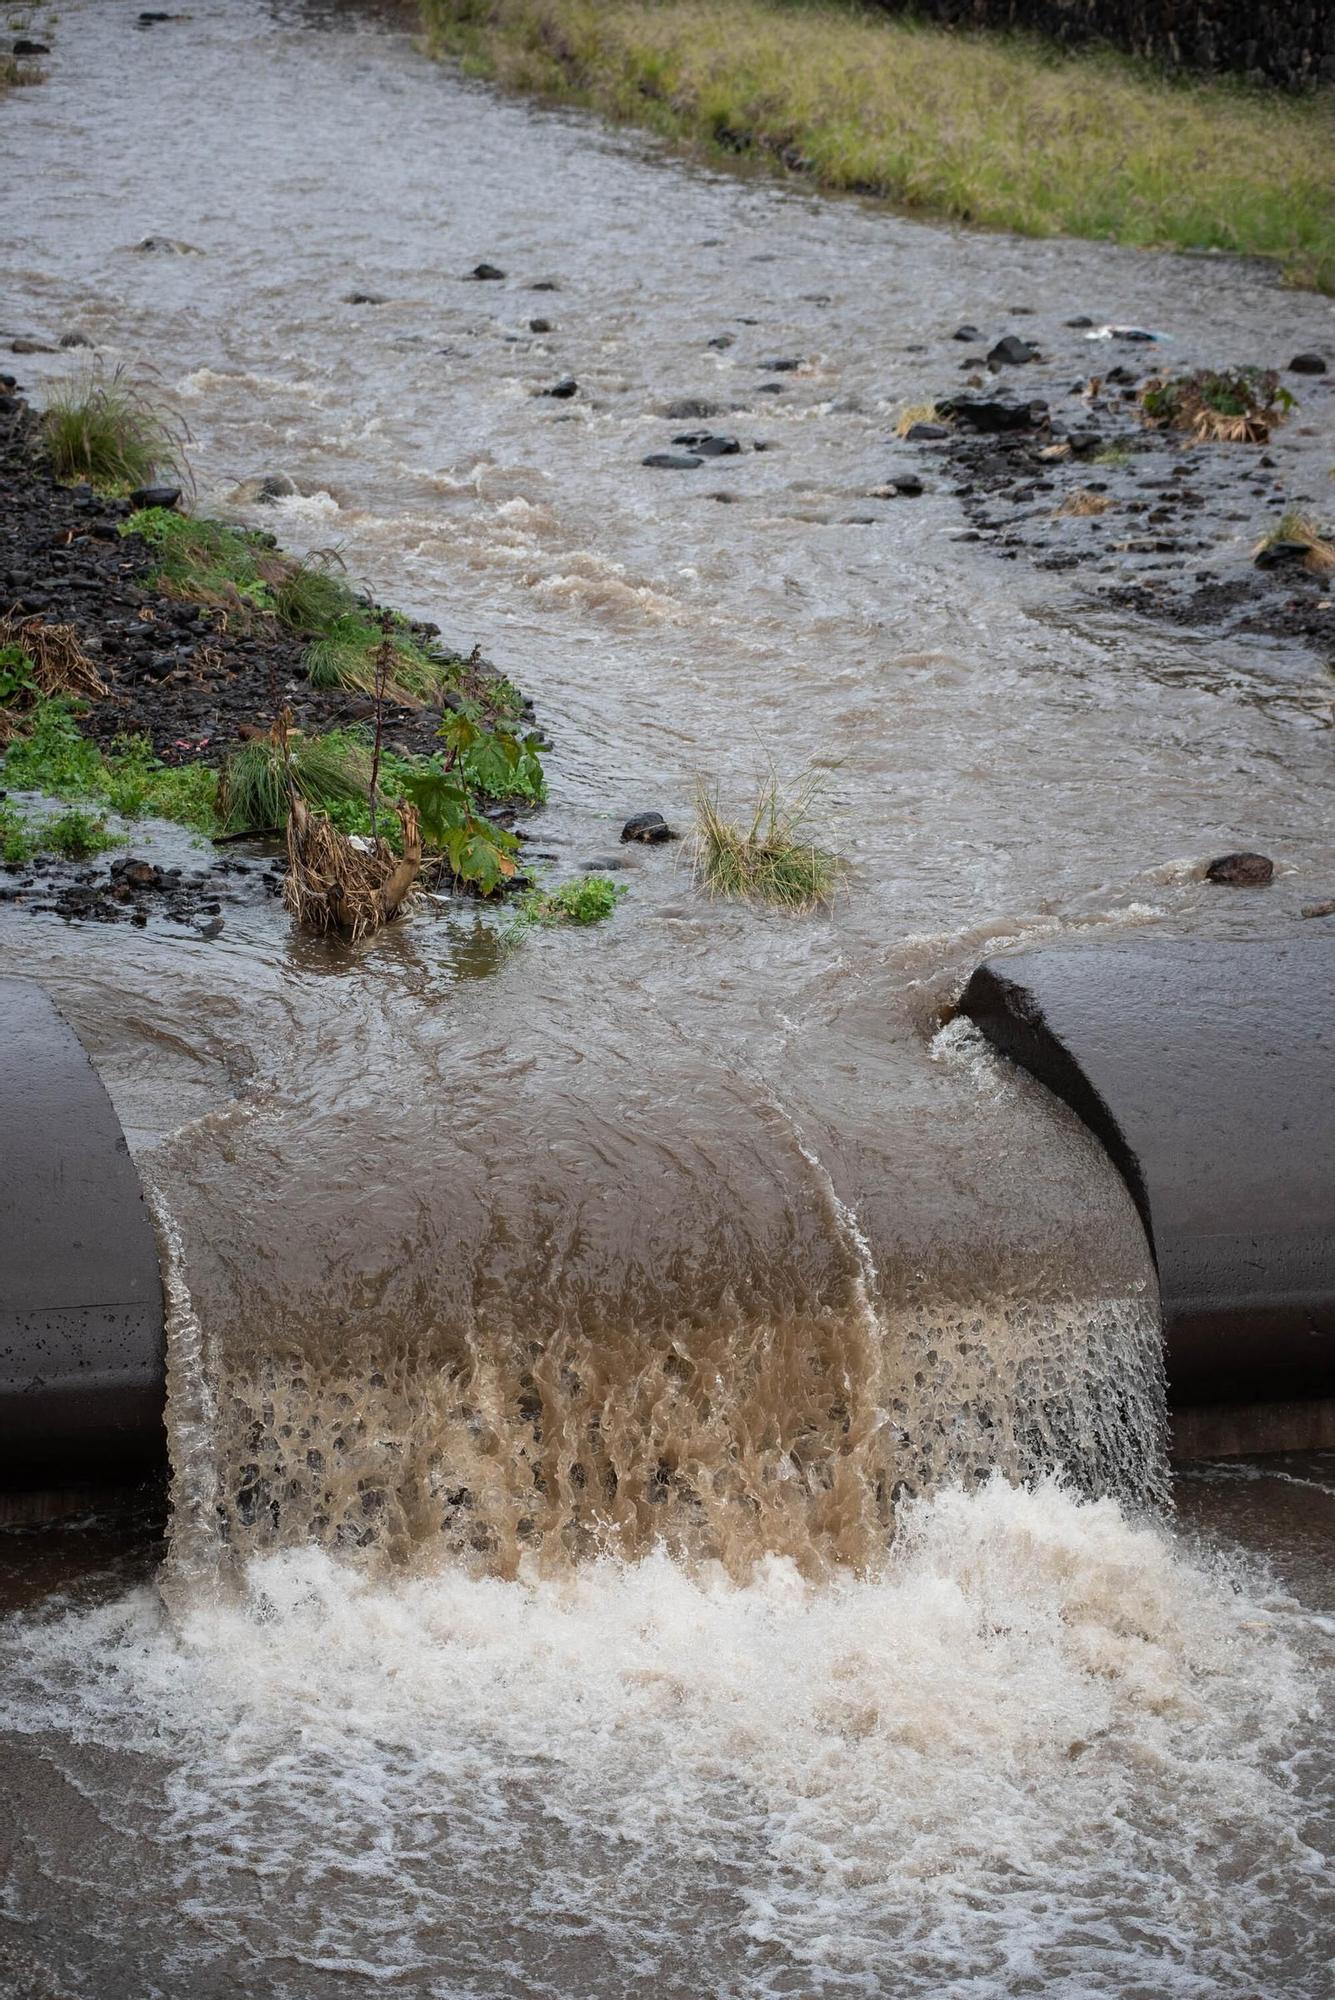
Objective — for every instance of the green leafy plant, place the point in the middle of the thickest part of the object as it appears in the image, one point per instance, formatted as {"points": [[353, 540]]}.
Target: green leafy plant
{"points": [[772, 857], [500, 764], [478, 852], [587, 899], [18, 675], [76, 835], [101, 429], [18, 841], [54, 756]]}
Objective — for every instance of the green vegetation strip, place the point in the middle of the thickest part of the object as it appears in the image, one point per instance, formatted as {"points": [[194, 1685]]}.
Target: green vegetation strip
{"points": [[999, 131]]}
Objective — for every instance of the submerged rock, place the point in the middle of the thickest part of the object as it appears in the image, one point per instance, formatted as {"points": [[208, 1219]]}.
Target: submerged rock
{"points": [[24, 47], [1241, 871], [1308, 364], [562, 390], [672, 461], [979, 413], [1011, 352], [708, 445], [540, 326], [649, 827], [966, 332], [486, 272]]}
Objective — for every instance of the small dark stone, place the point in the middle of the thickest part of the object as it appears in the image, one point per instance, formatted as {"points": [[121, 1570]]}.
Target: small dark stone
{"points": [[365, 299], [1011, 352], [966, 333], [1279, 555], [770, 389], [24, 346], [211, 929], [540, 326], [784, 365], [1080, 322], [151, 19], [650, 827], [1241, 871], [24, 47], [691, 409], [141, 874], [545, 285], [722, 340], [907, 484], [1308, 364], [155, 496], [486, 271], [562, 390], [926, 433], [707, 445], [672, 461]]}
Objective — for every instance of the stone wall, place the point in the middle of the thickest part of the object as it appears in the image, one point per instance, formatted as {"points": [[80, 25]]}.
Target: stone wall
{"points": [[1289, 42]]}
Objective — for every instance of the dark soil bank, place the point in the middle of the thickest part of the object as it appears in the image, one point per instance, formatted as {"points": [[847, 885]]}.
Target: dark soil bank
{"points": [[185, 675], [194, 680], [1051, 462]]}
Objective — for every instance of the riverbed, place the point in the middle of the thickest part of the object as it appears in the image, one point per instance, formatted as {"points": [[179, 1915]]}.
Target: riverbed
{"points": [[560, 1332]]}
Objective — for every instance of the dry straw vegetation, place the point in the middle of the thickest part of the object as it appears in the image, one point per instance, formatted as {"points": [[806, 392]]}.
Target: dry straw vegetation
{"points": [[999, 131], [1298, 535]]}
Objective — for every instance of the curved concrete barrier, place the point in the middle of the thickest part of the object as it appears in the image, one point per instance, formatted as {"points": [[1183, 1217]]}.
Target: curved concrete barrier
{"points": [[1208, 1071], [81, 1313]]}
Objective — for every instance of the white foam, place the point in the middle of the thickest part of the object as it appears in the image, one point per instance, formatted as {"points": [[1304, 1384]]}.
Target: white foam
{"points": [[1041, 1752]]}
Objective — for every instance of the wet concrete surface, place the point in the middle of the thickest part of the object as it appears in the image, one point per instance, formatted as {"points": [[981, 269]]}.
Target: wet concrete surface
{"points": [[81, 1313], [1206, 1069]]}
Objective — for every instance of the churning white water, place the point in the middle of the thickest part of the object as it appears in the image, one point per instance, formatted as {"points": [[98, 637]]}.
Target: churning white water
{"points": [[1043, 1751]]}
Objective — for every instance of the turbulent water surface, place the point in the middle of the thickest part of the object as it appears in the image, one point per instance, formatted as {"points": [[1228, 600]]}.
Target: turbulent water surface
{"points": [[558, 1332]]}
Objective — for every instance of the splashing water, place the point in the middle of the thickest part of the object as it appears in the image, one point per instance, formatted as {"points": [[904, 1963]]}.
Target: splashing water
{"points": [[1037, 1750]]}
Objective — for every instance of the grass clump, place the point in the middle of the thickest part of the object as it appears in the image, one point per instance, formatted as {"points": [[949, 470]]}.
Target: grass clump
{"points": [[76, 834], [101, 429], [16, 74], [1000, 131], [1227, 405], [774, 856], [1297, 535], [1083, 502], [207, 562], [328, 772]]}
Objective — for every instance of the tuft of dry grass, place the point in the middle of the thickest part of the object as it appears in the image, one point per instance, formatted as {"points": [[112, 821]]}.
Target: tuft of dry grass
{"points": [[1082, 503], [59, 664], [774, 856], [917, 413], [1299, 535], [996, 130]]}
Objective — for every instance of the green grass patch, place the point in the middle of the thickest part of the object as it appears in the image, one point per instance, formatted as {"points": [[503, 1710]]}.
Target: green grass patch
{"points": [[774, 856], [102, 430], [55, 758], [1000, 131], [242, 572]]}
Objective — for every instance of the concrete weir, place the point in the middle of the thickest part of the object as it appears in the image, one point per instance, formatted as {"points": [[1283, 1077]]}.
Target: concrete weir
{"points": [[81, 1310], [1208, 1071]]}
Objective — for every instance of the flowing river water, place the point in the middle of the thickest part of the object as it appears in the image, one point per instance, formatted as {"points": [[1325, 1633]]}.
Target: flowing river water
{"points": [[559, 1332]]}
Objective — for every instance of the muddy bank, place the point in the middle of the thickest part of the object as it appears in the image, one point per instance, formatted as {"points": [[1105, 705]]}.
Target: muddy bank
{"points": [[1043, 442], [192, 680]]}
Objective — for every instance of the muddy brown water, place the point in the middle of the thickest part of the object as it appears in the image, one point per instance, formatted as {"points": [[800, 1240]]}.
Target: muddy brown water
{"points": [[559, 1330]]}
